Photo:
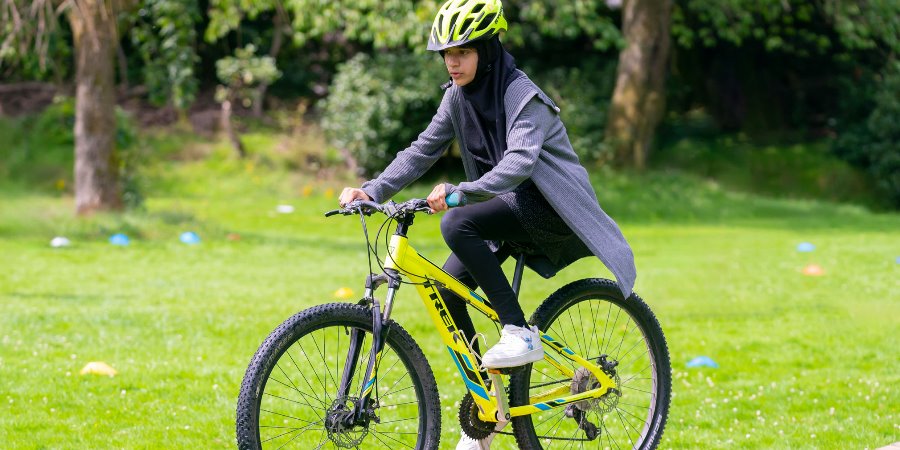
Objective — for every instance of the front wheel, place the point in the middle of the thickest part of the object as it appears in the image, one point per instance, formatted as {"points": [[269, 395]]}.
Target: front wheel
{"points": [[290, 394], [593, 319]]}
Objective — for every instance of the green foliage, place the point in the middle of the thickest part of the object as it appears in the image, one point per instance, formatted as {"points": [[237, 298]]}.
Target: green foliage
{"points": [[874, 141], [582, 94], [390, 23], [29, 66], [226, 15], [243, 71], [400, 23], [780, 25], [164, 35], [801, 28], [535, 21], [32, 45], [866, 25], [379, 104]]}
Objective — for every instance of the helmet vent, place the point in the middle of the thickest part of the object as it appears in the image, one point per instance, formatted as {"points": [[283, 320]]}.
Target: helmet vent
{"points": [[465, 25], [486, 22], [477, 9], [453, 23]]}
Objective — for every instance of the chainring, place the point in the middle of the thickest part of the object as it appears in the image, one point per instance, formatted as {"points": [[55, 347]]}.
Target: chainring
{"points": [[469, 421]]}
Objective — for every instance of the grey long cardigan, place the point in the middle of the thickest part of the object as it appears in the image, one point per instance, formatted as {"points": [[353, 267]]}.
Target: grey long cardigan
{"points": [[537, 148]]}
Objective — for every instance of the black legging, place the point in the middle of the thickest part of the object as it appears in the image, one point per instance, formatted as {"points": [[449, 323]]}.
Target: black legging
{"points": [[465, 229]]}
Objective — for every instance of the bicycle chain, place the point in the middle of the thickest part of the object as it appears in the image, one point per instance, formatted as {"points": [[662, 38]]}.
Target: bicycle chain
{"points": [[478, 429]]}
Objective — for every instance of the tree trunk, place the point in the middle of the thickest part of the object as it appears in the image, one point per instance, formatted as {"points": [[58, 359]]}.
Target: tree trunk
{"points": [[638, 101], [225, 123], [96, 184], [259, 94]]}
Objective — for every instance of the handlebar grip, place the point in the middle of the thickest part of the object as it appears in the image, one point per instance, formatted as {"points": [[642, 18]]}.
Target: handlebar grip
{"points": [[455, 199]]}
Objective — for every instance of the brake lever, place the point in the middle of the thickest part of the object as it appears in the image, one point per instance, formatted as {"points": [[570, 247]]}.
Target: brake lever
{"points": [[349, 209], [389, 208]]}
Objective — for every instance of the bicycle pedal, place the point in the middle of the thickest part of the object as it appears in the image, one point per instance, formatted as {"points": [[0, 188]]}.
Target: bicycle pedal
{"points": [[506, 370]]}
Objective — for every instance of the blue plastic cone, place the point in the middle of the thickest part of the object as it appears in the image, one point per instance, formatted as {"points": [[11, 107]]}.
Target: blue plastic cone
{"points": [[119, 239], [190, 238], [703, 361]]}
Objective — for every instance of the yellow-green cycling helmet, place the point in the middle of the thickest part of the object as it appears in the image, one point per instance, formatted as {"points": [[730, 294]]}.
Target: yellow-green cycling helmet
{"points": [[462, 21]]}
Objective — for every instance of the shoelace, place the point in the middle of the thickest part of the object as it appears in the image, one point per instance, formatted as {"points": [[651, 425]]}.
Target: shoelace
{"points": [[471, 345]]}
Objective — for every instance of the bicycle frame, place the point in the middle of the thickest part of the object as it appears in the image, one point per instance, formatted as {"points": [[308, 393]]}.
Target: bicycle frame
{"points": [[404, 260]]}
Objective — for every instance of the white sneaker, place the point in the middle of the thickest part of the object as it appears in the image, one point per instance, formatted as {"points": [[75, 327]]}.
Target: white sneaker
{"points": [[518, 346], [467, 443]]}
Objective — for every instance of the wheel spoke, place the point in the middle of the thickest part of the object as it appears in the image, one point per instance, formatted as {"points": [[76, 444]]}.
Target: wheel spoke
{"points": [[303, 394], [401, 404], [587, 344], [397, 420], [324, 363], [293, 430], [391, 438], [315, 373], [285, 415]]}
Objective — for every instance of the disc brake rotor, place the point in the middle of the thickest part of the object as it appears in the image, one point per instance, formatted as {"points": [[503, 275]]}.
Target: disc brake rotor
{"points": [[342, 435], [583, 381]]}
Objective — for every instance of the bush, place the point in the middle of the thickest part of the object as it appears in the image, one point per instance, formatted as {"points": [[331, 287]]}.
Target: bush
{"points": [[874, 143], [40, 150], [379, 104], [583, 94]]}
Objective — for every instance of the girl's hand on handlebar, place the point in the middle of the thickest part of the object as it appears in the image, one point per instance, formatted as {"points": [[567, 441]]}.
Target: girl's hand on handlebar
{"points": [[350, 194], [437, 198]]}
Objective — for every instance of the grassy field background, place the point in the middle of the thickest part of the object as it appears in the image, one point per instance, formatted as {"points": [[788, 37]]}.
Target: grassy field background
{"points": [[805, 362]]}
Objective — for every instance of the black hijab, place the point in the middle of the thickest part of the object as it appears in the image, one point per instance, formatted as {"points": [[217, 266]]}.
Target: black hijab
{"points": [[484, 115]]}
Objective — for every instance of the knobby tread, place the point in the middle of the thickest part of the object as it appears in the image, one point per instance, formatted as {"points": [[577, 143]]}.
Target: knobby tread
{"points": [[552, 308], [308, 320]]}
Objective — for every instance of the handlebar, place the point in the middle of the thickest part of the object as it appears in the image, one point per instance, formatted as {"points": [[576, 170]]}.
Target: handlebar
{"points": [[390, 208]]}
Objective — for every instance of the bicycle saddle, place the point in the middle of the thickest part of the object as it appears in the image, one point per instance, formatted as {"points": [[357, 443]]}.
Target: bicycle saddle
{"points": [[534, 259]]}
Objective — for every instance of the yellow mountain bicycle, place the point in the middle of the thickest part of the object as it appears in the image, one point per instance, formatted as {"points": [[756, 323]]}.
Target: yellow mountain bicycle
{"points": [[345, 375]]}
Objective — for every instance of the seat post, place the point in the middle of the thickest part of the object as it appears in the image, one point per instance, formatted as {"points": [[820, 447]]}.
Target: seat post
{"points": [[517, 275]]}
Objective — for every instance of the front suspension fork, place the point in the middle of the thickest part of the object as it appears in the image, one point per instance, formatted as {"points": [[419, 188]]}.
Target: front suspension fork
{"points": [[379, 337]]}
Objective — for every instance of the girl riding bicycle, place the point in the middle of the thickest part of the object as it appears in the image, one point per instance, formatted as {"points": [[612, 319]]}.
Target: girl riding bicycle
{"points": [[524, 181]]}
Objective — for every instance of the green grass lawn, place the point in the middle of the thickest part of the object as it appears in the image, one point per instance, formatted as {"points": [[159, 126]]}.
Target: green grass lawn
{"points": [[805, 362]]}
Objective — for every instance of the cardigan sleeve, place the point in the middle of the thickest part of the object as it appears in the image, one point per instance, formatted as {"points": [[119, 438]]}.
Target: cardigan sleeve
{"points": [[524, 141], [412, 162]]}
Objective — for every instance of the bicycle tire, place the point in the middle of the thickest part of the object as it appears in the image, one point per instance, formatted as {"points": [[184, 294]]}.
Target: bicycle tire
{"points": [[322, 320], [610, 410]]}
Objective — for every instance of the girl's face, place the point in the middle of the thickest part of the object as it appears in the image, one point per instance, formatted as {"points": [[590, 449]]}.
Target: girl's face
{"points": [[461, 63]]}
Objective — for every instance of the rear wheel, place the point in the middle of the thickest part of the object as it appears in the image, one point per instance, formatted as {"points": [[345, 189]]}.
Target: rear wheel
{"points": [[289, 396], [593, 319]]}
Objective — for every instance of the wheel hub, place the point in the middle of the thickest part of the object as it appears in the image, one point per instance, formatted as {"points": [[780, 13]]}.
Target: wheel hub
{"points": [[584, 380], [343, 429]]}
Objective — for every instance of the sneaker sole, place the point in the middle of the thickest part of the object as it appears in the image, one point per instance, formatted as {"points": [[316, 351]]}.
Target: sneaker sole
{"points": [[530, 357]]}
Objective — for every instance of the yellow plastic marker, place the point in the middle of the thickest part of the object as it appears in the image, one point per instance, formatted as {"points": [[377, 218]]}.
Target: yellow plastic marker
{"points": [[98, 368]]}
